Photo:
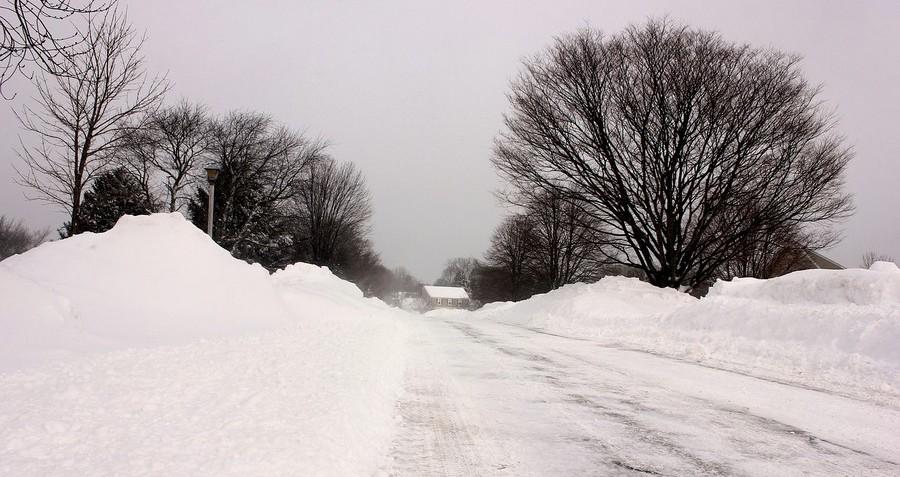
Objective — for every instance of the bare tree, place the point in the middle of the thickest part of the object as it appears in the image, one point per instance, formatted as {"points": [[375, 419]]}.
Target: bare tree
{"points": [[261, 163], [173, 141], [15, 237], [133, 155], [774, 253], [333, 207], [457, 272], [511, 251], [568, 248], [679, 144], [84, 116], [870, 258], [45, 33], [404, 281]]}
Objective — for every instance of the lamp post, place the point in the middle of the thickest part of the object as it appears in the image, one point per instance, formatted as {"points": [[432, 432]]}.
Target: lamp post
{"points": [[212, 173]]}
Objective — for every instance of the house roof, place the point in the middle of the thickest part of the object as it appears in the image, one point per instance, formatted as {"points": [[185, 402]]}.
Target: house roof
{"points": [[445, 292], [820, 261]]}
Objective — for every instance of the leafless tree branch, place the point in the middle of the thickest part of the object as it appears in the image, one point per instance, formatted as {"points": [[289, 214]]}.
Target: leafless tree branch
{"points": [[82, 118]]}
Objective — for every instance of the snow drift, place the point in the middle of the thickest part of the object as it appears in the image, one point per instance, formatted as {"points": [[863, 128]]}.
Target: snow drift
{"points": [[151, 280], [149, 350], [832, 329]]}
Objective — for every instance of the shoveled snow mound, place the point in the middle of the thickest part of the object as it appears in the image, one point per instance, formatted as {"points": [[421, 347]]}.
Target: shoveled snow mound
{"points": [[876, 287], [151, 280], [312, 277], [832, 328], [826, 328], [599, 308], [881, 266], [228, 371]]}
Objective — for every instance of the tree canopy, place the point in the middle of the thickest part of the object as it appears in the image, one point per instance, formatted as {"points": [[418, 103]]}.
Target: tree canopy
{"points": [[684, 147]]}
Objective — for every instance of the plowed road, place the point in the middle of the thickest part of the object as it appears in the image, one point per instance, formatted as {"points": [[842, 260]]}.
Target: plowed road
{"points": [[485, 398]]}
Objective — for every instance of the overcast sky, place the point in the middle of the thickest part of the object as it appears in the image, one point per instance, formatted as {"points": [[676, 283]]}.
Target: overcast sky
{"points": [[414, 92]]}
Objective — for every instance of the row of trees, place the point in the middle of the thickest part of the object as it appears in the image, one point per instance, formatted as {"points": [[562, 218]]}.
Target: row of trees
{"points": [[106, 146], [548, 244], [16, 238]]}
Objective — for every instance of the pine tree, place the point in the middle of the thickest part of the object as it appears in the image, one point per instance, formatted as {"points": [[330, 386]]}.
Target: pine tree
{"points": [[244, 223], [112, 195]]}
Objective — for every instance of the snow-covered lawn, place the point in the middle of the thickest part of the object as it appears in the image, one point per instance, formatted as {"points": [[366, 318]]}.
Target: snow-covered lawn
{"points": [[148, 350]]}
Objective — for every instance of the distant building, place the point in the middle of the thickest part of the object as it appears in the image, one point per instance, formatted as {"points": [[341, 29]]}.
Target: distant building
{"points": [[787, 260], [792, 260], [445, 297]]}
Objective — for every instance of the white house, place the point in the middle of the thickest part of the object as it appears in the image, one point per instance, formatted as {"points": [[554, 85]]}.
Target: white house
{"points": [[445, 297]]}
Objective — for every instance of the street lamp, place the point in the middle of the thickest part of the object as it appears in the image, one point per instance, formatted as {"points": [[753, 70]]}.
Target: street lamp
{"points": [[212, 173]]}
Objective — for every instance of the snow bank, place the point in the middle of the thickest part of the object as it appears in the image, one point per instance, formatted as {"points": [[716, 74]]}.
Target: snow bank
{"points": [[838, 329], [876, 287], [598, 308], [149, 350], [151, 280], [604, 309], [834, 329]]}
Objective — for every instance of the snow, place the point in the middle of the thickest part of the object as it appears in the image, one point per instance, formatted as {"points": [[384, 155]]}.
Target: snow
{"points": [[882, 266], [150, 281], [831, 329], [149, 350], [446, 292], [488, 398]]}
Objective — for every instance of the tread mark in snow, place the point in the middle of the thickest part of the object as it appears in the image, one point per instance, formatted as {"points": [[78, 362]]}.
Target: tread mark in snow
{"points": [[432, 439]]}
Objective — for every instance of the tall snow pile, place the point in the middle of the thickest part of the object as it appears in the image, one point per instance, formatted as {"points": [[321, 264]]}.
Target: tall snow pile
{"points": [[151, 280], [150, 350], [836, 329]]}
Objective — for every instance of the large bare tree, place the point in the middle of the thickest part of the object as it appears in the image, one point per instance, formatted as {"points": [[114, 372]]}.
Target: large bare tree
{"points": [[83, 117], [44, 33], [680, 144]]}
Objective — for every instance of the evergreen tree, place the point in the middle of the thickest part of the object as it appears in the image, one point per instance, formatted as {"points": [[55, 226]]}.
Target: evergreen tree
{"points": [[244, 223], [113, 194]]}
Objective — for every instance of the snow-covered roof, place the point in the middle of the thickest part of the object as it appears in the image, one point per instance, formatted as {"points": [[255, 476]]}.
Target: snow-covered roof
{"points": [[445, 292]]}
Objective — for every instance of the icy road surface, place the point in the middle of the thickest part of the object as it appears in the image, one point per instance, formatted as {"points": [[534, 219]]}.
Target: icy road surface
{"points": [[484, 398]]}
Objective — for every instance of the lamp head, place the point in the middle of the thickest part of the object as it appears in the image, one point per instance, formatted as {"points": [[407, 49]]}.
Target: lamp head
{"points": [[212, 173]]}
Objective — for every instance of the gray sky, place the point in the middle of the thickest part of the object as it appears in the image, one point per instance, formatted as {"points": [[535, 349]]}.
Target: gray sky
{"points": [[414, 92]]}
